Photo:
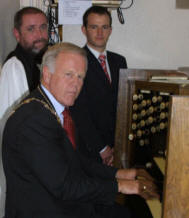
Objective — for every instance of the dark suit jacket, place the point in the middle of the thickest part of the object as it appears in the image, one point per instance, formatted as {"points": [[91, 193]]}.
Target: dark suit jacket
{"points": [[45, 177], [95, 109]]}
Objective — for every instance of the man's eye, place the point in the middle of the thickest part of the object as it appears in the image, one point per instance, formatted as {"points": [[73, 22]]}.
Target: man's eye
{"points": [[81, 77], [30, 29], [44, 27], [93, 27], [106, 27], [68, 74]]}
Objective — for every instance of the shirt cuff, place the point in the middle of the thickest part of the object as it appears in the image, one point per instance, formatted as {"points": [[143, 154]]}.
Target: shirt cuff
{"points": [[103, 149]]}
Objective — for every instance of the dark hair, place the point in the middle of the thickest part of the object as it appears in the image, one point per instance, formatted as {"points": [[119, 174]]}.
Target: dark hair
{"points": [[26, 10], [96, 10]]}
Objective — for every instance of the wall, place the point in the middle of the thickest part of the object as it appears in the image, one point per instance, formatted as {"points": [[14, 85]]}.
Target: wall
{"points": [[155, 35], [7, 41]]}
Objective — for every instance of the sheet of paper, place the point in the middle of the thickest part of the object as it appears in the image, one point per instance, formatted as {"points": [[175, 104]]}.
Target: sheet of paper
{"points": [[71, 11]]}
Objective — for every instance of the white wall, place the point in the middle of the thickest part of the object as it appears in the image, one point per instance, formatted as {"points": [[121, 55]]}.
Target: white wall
{"points": [[7, 41], [155, 35]]}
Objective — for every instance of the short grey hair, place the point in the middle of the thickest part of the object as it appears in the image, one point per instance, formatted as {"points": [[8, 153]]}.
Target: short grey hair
{"points": [[52, 52]]}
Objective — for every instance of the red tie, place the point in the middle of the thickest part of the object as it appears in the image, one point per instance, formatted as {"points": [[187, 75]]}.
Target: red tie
{"points": [[69, 126], [102, 59]]}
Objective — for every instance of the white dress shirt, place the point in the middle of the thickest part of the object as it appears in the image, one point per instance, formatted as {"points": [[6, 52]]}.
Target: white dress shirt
{"points": [[97, 54], [59, 108]]}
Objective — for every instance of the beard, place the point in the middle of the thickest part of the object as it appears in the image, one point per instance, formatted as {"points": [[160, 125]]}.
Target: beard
{"points": [[33, 49], [34, 52], [37, 53]]}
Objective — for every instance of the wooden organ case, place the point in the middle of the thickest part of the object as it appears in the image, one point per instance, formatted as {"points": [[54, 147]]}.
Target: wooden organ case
{"points": [[152, 132]]}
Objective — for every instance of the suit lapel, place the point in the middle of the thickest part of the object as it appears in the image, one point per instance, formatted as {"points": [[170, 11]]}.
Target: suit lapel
{"points": [[96, 68], [43, 96], [40, 96], [112, 66]]}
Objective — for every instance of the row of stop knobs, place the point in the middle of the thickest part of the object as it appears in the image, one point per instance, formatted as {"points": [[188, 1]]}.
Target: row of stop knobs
{"points": [[149, 116]]}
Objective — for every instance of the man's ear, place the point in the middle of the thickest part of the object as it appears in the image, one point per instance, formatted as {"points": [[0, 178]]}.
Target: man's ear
{"points": [[46, 76], [110, 30], [83, 29], [16, 34]]}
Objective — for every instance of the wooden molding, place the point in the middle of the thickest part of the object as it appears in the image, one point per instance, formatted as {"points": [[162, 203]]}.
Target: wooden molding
{"points": [[182, 4], [105, 3]]}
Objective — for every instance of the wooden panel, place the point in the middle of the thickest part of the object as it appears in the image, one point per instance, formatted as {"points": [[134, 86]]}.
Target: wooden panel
{"points": [[126, 89], [184, 4], [107, 3], [155, 208], [161, 163], [176, 191]]}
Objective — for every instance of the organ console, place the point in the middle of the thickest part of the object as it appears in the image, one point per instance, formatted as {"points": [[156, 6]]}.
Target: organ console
{"points": [[146, 127]]}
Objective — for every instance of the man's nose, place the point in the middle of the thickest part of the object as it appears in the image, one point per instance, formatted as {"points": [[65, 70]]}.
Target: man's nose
{"points": [[39, 33], [99, 31], [76, 80]]}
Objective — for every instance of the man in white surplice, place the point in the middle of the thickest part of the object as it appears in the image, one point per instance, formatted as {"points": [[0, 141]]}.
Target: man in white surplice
{"points": [[20, 73]]}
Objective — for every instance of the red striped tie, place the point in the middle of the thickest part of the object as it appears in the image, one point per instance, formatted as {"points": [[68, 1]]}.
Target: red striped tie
{"points": [[69, 126], [102, 59]]}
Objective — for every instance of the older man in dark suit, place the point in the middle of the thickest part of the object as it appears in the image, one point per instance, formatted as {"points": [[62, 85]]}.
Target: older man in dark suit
{"points": [[46, 175], [95, 108]]}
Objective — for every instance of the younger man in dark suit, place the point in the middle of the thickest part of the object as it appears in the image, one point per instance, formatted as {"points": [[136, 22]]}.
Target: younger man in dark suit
{"points": [[95, 108], [46, 175]]}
